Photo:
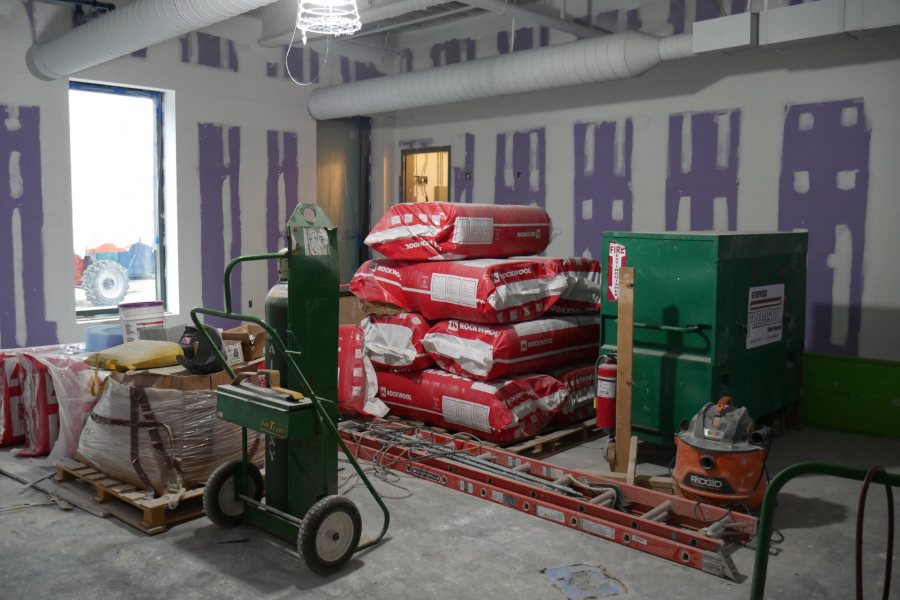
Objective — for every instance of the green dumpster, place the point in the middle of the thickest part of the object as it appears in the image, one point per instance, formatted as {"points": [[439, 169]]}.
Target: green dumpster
{"points": [[716, 314]]}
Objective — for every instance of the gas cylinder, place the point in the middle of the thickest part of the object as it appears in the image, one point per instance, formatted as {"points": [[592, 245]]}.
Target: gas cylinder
{"points": [[605, 400], [277, 317], [721, 457]]}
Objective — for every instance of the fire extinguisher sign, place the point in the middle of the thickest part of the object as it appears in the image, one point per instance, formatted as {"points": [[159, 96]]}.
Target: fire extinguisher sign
{"points": [[765, 315], [616, 262]]}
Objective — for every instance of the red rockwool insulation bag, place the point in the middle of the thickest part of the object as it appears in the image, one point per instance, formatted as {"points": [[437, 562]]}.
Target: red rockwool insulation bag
{"points": [[449, 231], [357, 386], [492, 351], [41, 407], [394, 342], [502, 411], [579, 381], [584, 284], [480, 291], [12, 410]]}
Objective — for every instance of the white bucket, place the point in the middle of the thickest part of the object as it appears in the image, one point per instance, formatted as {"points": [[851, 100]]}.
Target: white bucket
{"points": [[137, 316]]}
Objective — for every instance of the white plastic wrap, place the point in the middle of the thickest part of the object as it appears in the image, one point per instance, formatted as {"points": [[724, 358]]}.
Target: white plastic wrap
{"points": [[160, 439]]}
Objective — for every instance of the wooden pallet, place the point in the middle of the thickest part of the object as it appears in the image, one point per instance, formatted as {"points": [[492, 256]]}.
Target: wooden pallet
{"points": [[547, 444], [127, 503]]}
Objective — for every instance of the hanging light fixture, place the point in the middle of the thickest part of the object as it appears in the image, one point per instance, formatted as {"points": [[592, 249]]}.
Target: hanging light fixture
{"points": [[327, 17]]}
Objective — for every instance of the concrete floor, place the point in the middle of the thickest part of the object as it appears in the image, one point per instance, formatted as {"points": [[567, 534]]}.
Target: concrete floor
{"points": [[444, 544]]}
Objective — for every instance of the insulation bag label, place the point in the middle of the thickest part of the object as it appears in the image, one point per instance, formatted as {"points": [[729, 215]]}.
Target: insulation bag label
{"points": [[394, 342], [492, 351], [501, 411], [449, 231], [765, 315], [480, 290]]}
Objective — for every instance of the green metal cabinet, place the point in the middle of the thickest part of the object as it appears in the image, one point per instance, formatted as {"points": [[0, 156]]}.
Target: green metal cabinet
{"points": [[715, 314]]}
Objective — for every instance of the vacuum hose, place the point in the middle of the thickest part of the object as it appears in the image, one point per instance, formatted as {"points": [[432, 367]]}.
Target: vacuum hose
{"points": [[761, 436]]}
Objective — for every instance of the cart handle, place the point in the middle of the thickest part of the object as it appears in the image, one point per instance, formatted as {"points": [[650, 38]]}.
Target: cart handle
{"points": [[297, 375], [670, 328]]}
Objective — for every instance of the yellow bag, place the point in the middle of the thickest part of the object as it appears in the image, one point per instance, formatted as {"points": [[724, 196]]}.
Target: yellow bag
{"points": [[141, 354]]}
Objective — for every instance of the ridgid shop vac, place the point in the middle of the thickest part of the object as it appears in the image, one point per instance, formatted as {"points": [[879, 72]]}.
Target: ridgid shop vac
{"points": [[721, 457]]}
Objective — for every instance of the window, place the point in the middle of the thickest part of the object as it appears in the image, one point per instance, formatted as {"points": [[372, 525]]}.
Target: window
{"points": [[117, 208], [426, 174]]}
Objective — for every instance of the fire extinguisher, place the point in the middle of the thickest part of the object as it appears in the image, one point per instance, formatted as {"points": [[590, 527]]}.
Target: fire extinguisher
{"points": [[605, 399]]}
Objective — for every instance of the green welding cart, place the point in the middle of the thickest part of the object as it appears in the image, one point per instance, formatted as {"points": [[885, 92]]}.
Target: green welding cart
{"points": [[297, 497], [715, 314]]}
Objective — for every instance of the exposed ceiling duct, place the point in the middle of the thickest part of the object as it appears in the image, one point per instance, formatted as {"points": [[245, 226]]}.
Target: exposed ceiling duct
{"points": [[129, 28], [596, 59]]}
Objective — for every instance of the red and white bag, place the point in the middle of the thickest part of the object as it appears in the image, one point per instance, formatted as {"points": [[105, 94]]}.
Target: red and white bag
{"points": [[492, 351], [501, 411], [357, 385], [579, 381], [449, 231], [41, 407], [480, 291], [12, 410], [394, 342], [584, 284]]}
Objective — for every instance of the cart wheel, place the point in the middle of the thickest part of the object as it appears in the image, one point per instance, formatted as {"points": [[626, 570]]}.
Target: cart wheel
{"points": [[219, 496], [329, 534]]}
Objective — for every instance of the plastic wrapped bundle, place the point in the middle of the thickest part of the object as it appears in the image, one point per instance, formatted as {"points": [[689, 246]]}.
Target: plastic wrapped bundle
{"points": [[584, 284], [480, 291], [394, 342], [357, 386], [12, 409], [501, 411], [579, 381], [160, 439], [449, 231], [492, 351]]}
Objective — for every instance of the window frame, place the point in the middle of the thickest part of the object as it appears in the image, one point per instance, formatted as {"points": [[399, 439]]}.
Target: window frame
{"points": [[158, 103]]}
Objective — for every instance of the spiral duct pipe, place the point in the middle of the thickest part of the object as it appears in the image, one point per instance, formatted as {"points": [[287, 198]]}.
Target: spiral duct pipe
{"points": [[132, 27]]}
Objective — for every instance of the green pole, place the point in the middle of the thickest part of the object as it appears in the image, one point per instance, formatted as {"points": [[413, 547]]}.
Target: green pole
{"points": [[764, 529]]}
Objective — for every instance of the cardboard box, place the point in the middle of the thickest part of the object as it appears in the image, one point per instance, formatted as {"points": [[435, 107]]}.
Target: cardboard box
{"points": [[252, 338]]}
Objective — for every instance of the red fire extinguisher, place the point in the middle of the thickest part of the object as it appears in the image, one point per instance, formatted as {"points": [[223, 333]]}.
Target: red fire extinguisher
{"points": [[605, 399]]}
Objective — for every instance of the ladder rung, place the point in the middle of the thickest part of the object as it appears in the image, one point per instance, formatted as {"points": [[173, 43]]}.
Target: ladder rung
{"points": [[660, 513], [604, 499], [522, 468]]}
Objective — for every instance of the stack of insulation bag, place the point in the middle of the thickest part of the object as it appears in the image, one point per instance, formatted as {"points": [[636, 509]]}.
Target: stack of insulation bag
{"points": [[468, 329]]}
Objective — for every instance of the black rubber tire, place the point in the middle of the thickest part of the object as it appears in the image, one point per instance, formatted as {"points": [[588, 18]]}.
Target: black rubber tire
{"points": [[223, 476], [105, 283], [315, 518]]}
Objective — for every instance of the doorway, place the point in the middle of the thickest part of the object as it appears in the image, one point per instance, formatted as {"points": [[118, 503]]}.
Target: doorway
{"points": [[425, 174]]}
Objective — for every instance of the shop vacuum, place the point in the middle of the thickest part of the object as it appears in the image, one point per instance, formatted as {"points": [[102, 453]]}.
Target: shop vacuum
{"points": [[721, 457]]}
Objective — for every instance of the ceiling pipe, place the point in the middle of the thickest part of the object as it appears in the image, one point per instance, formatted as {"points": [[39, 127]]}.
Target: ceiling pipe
{"points": [[132, 27], [604, 58], [534, 17]]}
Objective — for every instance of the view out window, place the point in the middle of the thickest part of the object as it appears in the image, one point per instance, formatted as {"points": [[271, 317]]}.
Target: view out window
{"points": [[426, 175], [116, 157]]}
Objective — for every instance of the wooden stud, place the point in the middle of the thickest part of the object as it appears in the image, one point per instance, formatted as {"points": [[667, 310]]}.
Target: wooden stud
{"points": [[624, 351], [632, 460]]}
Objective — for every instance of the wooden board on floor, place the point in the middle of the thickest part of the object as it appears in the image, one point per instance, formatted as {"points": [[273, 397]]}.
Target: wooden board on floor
{"points": [[127, 503], [547, 444]]}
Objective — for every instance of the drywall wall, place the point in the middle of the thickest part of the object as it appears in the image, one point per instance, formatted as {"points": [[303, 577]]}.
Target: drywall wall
{"points": [[240, 153], [795, 137]]}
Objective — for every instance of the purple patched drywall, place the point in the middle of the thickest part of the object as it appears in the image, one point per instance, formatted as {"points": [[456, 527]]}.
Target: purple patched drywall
{"points": [[702, 181], [208, 50], [824, 188], [358, 71], [603, 200], [452, 52], [464, 177], [519, 176], [522, 40], [220, 161], [283, 166], [293, 63], [22, 219]]}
